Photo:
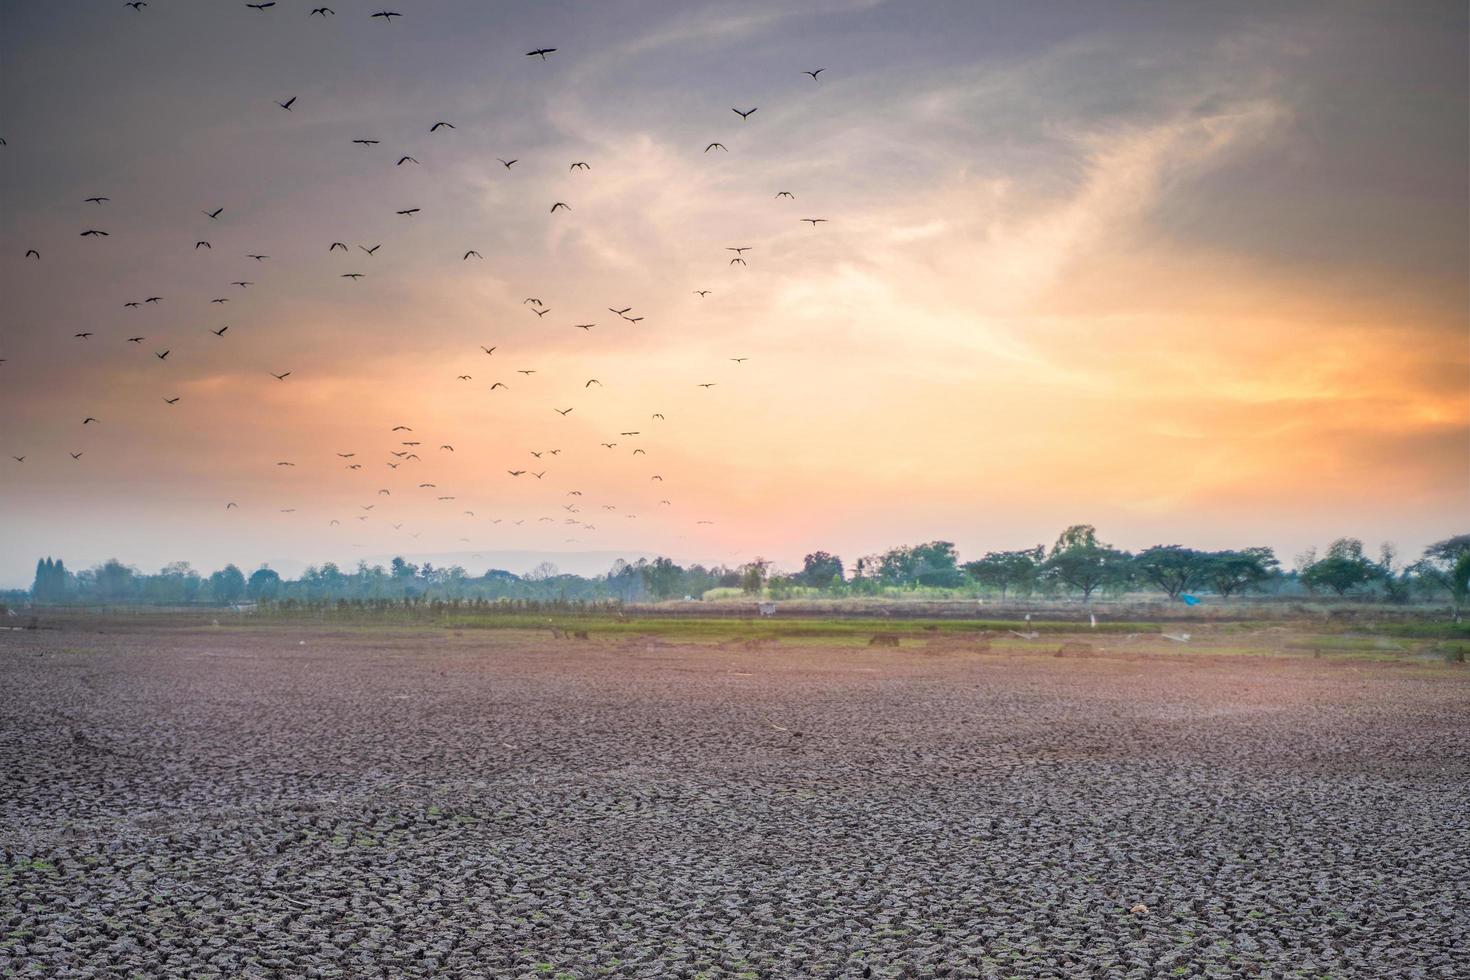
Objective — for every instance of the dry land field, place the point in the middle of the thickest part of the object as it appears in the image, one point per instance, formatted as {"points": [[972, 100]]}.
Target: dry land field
{"points": [[723, 799]]}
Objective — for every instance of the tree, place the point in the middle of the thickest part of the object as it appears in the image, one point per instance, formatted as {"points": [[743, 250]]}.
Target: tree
{"points": [[403, 569], [1344, 569], [820, 569], [1446, 565], [1079, 561], [227, 584], [1006, 570], [50, 583], [662, 577], [1229, 572], [264, 583], [753, 576], [114, 580], [1172, 568]]}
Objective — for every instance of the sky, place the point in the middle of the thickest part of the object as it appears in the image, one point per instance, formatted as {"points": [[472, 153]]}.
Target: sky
{"points": [[1192, 273]]}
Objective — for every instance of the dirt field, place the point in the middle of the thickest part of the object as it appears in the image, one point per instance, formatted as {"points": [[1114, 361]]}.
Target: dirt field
{"points": [[298, 801]]}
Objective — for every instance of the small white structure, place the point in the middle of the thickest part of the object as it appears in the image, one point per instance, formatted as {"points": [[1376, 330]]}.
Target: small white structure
{"points": [[767, 608]]}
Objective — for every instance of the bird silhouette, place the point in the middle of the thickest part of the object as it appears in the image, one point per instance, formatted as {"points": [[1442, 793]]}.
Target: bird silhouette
{"points": [[472, 252], [619, 312], [262, 6], [214, 214], [563, 411], [787, 194], [281, 377], [507, 163], [405, 159], [31, 251], [714, 145], [584, 326], [323, 11], [499, 384], [814, 74], [97, 200], [410, 211], [543, 52], [351, 275], [515, 472], [387, 15], [77, 455], [137, 5], [579, 165], [94, 233], [709, 384], [560, 204], [336, 245], [368, 142], [743, 113], [488, 350], [162, 356], [83, 335], [88, 420], [440, 125], [258, 258], [199, 245], [739, 360], [288, 103], [814, 221], [591, 382], [701, 293], [174, 400], [372, 250]]}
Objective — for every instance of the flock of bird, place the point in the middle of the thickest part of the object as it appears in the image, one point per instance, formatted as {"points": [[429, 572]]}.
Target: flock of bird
{"points": [[403, 452]]}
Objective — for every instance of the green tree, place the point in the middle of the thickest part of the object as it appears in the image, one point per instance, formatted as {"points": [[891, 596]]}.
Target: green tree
{"points": [[1345, 568], [1006, 570], [1446, 565], [753, 576], [403, 569], [820, 569], [1172, 568], [115, 581], [662, 577], [1080, 562], [1229, 572], [227, 584], [264, 583]]}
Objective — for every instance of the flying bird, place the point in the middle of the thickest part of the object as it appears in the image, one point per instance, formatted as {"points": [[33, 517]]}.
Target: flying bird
{"points": [[261, 6], [405, 159], [215, 213], [281, 377], [84, 336], [591, 382], [526, 371], [367, 142], [324, 11], [162, 356], [787, 194], [242, 284], [77, 455], [199, 245], [137, 5], [562, 412], [515, 472], [258, 258], [287, 104], [499, 384], [584, 326], [540, 313], [336, 245], [814, 221], [31, 251], [702, 293], [532, 300], [543, 52], [93, 232], [97, 200], [713, 145], [560, 204], [402, 428], [710, 384], [437, 125], [507, 162], [88, 419], [221, 331], [174, 400], [219, 301], [387, 15], [488, 350], [351, 275], [154, 299], [472, 252], [136, 340], [657, 415], [370, 251], [743, 113], [739, 360], [410, 211], [579, 165], [619, 312], [814, 74], [738, 251]]}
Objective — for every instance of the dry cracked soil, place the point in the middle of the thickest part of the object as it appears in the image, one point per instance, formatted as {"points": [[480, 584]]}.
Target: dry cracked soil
{"points": [[301, 801]]}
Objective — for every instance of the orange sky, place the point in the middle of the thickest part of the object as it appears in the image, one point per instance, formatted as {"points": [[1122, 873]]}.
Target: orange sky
{"points": [[1190, 297]]}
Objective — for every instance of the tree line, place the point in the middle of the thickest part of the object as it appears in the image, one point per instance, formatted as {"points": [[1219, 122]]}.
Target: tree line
{"points": [[1077, 565]]}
